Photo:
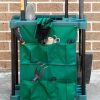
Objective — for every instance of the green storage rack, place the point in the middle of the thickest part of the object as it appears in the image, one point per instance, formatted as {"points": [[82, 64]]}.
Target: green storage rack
{"points": [[48, 71]]}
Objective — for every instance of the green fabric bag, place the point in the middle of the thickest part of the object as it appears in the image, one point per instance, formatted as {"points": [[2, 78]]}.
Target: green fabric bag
{"points": [[47, 90], [60, 58], [63, 32]]}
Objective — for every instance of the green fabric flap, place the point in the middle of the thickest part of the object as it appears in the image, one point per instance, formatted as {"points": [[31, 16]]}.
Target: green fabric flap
{"points": [[42, 21], [63, 32]]}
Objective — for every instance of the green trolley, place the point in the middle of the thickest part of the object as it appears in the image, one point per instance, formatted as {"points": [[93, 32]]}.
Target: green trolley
{"points": [[48, 59]]}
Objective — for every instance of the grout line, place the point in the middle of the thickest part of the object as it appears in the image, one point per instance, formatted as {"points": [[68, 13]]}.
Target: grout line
{"points": [[92, 40], [17, 12], [4, 21], [91, 27], [8, 7], [92, 51], [5, 50], [91, 7], [5, 60], [86, 12], [10, 46], [36, 7], [50, 2], [41, 2], [93, 12], [96, 60], [63, 6], [4, 31], [92, 66], [91, 45], [5, 41], [93, 31]]}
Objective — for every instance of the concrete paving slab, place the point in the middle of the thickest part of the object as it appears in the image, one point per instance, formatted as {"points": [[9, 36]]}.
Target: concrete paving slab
{"points": [[93, 89], [5, 86]]}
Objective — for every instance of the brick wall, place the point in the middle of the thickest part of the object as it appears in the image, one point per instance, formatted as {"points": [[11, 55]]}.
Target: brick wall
{"points": [[12, 7]]}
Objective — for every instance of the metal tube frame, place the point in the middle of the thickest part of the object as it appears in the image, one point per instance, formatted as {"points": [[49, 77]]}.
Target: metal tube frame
{"points": [[24, 10], [82, 46], [25, 4], [81, 42], [14, 47], [14, 58], [66, 8], [14, 53]]}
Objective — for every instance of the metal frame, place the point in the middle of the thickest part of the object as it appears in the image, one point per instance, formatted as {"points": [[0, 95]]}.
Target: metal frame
{"points": [[66, 8], [82, 46], [14, 47], [23, 9], [14, 58]]}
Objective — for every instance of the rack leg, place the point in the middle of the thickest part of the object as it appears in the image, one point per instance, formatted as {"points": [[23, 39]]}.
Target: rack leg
{"points": [[82, 58], [83, 62], [14, 58], [80, 43]]}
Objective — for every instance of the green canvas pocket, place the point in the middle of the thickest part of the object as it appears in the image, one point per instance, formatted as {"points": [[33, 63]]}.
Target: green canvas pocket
{"points": [[63, 32], [39, 90], [71, 91], [39, 53], [61, 73], [66, 91], [28, 33], [32, 53], [57, 53], [62, 54], [71, 54], [32, 91], [25, 53], [47, 90]]}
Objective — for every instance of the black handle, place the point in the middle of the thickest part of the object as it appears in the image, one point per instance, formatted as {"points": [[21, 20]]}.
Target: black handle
{"points": [[81, 8], [24, 4], [66, 8], [23, 9]]}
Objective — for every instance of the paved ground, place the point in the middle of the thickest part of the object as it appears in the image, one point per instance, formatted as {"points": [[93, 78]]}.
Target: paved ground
{"points": [[93, 89], [4, 86]]}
